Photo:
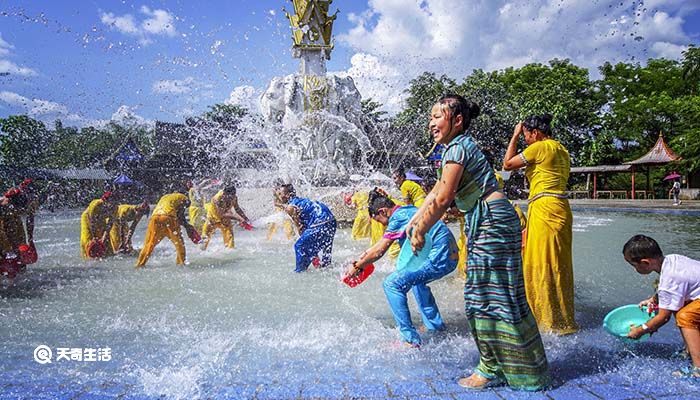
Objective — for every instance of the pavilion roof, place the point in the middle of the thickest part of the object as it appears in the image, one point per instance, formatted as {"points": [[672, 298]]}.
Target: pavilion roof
{"points": [[659, 154]]}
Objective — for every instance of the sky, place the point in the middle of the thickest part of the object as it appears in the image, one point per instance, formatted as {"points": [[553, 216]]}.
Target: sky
{"points": [[88, 62]]}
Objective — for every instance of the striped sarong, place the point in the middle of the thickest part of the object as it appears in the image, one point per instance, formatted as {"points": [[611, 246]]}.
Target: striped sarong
{"points": [[505, 332]]}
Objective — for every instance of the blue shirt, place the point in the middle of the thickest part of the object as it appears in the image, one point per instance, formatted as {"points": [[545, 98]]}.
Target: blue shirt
{"points": [[395, 229], [478, 177], [312, 213]]}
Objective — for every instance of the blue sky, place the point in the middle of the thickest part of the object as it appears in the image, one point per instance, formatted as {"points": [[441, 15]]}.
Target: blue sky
{"points": [[90, 61]]}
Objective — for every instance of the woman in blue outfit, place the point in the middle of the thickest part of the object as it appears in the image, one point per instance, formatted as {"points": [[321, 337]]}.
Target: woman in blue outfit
{"points": [[442, 260], [316, 225]]}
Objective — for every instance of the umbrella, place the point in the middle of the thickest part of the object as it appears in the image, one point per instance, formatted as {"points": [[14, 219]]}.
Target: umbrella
{"points": [[672, 175], [413, 177]]}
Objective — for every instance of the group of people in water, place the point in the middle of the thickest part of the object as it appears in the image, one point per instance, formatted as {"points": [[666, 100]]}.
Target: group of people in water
{"points": [[518, 272]]}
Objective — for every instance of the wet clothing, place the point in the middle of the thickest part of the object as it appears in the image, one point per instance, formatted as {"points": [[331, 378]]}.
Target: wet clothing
{"points": [[94, 222], [286, 225], [197, 213], [412, 192], [442, 260], [317, 233], [126, 215], [164, 222], [547, 259], [361, 225], [494, 291], [216, 219]]}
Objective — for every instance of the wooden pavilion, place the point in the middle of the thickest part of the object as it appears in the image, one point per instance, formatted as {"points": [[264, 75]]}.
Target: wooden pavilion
{"points": [[660, 154]]}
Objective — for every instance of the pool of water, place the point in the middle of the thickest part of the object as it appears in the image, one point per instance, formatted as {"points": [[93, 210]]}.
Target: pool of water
{"points": [[242, 318]]}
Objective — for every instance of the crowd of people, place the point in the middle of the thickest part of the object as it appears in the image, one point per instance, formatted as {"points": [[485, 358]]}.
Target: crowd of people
{"points": [[518, 271]]}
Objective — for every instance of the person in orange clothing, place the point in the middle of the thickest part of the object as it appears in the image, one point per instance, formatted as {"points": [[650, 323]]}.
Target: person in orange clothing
{"points": [[128, 216], [219, 216], [96, 222], [167, 218]]}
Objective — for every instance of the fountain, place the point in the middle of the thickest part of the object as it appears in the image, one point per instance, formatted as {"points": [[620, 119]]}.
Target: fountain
{"points": [[312, 119]]}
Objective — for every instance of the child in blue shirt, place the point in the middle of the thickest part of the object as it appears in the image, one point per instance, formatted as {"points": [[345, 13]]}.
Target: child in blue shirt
{"points": [[316, 225], [441, 261]]}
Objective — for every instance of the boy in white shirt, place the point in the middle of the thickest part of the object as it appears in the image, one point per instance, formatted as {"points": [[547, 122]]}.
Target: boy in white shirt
{"points": [[678, 293]]}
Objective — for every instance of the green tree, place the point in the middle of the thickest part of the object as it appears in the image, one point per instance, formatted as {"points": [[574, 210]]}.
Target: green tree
{"points": [[23, 142]]}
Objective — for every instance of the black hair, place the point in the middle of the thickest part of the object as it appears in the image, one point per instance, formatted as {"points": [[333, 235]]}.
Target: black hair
{"points": [[287, 187], [377, 200], [639, 247], [229, 189], [458, 105], [400, 171], [540, 122]]}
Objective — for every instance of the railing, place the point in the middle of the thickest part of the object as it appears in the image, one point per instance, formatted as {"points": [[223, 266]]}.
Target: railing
{"points": [[579, 194]]}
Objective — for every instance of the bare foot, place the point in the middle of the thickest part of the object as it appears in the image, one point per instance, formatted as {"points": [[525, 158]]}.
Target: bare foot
{"points": [[475, 381]]}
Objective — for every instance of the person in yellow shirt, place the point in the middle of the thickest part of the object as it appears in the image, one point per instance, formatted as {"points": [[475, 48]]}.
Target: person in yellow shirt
{"points": [[96, 222], [197, 213], [361, 226], [412, 192], [287, 222], [128, 216], [220, 216], [167, 218], [547, 259]]}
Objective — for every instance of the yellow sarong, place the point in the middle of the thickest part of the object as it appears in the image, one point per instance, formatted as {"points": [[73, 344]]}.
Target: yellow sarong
{"points": [[547, 259], [361, 225]]}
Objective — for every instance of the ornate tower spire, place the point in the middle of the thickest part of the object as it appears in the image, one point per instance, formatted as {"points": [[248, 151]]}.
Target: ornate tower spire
{"points": [[312, 35]]}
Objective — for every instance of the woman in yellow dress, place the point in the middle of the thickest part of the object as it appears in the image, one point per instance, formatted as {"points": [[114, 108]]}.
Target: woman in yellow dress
{"points": [[128, 216], [547, 259], [96, 222], [361, 225]]}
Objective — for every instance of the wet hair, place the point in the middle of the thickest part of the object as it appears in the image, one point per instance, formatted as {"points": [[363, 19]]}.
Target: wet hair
{"points": [[640, 247], [287, 188], [540, 122], [400, 171], [229, 189], [378, 200], [455, 105]]}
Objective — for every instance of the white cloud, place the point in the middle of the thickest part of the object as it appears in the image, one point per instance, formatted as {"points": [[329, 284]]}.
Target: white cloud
{"points": [[34, 107], [127, 116], [7, 66], [245, 96], [5, 47], [174, 86], [156, 22], [445, 36], [160, 23]]}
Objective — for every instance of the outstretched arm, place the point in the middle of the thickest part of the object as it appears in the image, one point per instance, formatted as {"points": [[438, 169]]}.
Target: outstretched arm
{"points": [[370, 255]]}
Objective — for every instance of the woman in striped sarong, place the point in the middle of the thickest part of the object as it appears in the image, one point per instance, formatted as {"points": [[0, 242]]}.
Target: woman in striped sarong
{"points": [[506, 334]]}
